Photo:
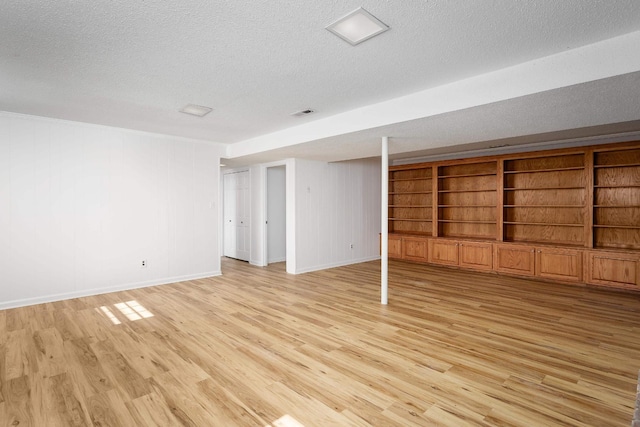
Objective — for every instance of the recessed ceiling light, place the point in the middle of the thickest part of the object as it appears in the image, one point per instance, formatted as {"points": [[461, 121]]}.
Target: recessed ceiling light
{"points": [[357, 26], [196, 110]]}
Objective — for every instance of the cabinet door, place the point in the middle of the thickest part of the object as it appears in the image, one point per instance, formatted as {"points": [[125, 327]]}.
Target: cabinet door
{"points": [[515, 259], [478, 256], [395, 247], [612, 268], [443, 252], [559, 264], [414, 248]]}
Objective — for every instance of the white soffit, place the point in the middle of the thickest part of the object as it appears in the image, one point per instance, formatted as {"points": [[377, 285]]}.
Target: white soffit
{"points": [[598, 61]]}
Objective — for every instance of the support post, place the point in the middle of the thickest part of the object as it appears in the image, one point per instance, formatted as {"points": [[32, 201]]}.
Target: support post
{"points": [[384, 226]]}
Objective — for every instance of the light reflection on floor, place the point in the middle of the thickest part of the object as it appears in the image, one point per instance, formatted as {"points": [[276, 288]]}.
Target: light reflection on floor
{"points": [[286, 421], [132, 310]]}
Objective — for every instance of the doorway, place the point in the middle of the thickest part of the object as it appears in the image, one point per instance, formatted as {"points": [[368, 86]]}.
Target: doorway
{"points": [[276, 220]]}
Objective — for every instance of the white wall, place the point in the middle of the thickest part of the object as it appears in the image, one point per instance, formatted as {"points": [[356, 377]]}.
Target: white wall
{"points": [[336, 205], [82, 205]]}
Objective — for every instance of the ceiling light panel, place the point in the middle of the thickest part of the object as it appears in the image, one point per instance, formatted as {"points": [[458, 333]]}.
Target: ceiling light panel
{"points": [[196, 110], [357, 27]]}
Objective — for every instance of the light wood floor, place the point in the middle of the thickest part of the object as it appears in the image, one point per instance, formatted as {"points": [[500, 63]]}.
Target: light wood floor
{"points": [[257, 347]]}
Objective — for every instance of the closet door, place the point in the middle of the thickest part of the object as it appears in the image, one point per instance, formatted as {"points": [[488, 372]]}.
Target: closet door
{"points": [[243, 232], [236, 215]]}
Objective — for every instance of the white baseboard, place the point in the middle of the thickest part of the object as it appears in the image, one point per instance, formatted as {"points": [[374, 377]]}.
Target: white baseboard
{"points": [[335, 264], [97, 291]]}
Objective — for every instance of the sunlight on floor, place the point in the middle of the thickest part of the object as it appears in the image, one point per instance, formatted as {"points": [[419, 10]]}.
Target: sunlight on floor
{"points": [[132, 310], [110, 315], [285, 421]]}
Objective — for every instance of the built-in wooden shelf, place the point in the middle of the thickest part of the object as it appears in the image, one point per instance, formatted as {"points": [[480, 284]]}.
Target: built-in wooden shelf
{"points": [[543, 224], [544, 206], [479, 190], [544, 170], [466, 206], [542, 188], [408, 179], [621, 165], [466, 175], [410, 192], [571, 214]]}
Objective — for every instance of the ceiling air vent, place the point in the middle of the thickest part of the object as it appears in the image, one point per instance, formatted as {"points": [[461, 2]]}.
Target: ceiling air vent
{"points": [[303, 112]]}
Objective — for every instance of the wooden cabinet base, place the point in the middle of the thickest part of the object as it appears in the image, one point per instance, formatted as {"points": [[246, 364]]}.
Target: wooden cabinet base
{"points": [[414, 249], [515, 259], [613, 269], [559, 264], [395, 247], [443, 252], [564, 265], [476, 255]]}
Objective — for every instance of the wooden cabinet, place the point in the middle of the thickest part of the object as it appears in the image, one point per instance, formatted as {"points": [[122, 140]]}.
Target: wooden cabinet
{"points": [[467, 254], [545, 262], [414, 248], [559, 264], [395, 246], [515, 259], [613, 269], [443, 252], [476, 255]]}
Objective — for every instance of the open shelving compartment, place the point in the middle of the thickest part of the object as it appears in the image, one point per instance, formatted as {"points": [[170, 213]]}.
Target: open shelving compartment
{"points": [[616, 199], [467, 197], [411, 201], [545, 200]]}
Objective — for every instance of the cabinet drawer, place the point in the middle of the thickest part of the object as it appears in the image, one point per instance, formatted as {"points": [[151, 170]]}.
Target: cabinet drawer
{"points": [[610, 268], [515, 259], [476, 255], [443, 252], [414, 249], [560, 264]]}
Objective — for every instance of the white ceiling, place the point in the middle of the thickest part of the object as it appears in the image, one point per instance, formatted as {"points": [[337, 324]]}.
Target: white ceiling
{"points": [[448, 73]]}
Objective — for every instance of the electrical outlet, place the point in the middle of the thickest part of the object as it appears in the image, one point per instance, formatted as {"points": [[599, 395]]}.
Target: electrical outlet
{"points": [[143, 263], [351, 246]]}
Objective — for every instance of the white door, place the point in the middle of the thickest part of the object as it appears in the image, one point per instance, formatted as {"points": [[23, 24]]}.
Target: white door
{"points": [[243, 232], [236, 215]]}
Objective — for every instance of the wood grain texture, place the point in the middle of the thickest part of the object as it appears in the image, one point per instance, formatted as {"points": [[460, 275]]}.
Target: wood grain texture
{"points": [[258, 347]]}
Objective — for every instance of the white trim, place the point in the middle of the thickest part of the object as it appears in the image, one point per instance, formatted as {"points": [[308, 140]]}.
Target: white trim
{"points": [[335, 264], [97, 291]]}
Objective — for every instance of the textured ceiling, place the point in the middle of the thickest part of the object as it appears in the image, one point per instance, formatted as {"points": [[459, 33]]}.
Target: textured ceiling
{"points": [[134, 63]]}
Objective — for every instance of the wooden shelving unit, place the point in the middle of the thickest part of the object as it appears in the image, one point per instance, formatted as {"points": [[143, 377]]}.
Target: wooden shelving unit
{"points": [[616, 202], [545, 199], [411, 201], [570, 215], [467, 200]]}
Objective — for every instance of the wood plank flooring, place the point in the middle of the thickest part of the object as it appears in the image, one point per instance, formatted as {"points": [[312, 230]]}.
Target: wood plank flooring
{"points": [[258, 347]]}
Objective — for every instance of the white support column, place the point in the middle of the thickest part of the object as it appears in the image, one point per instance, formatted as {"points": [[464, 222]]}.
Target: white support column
{"points": [[384, 226]]}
